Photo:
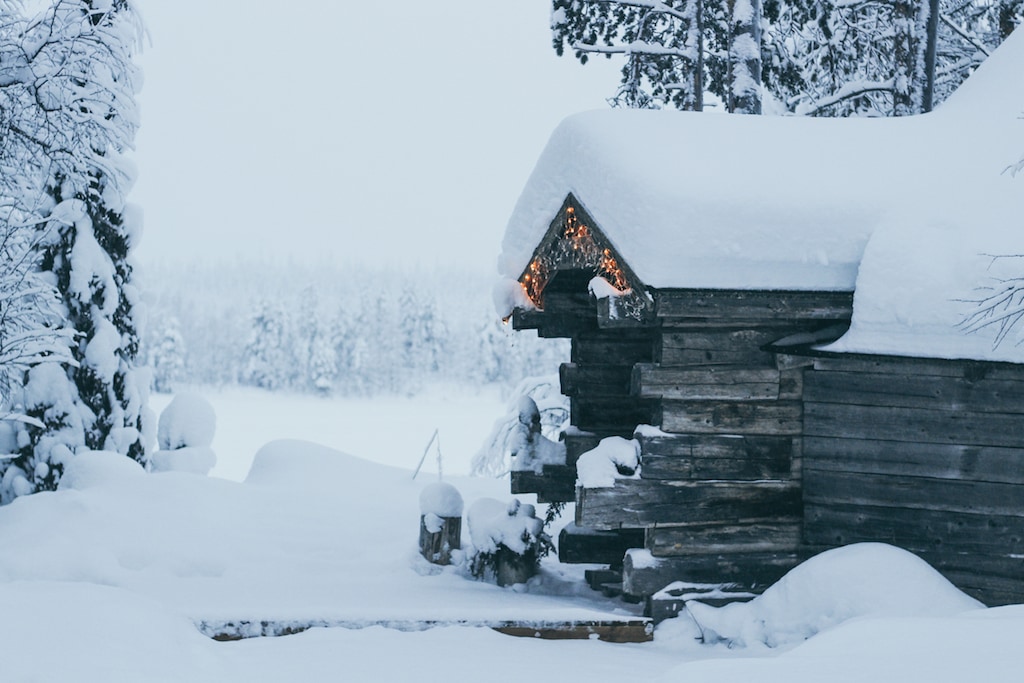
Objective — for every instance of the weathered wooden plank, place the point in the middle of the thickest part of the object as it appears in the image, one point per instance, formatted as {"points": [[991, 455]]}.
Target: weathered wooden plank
{"points": [[708, 304], [645, 575], [913, 424], [713, 382], [595, 379], [723, 417], [717, 346], [969, 370], [579, 442], [917, 530], [618, 415], [777, 535], [791, 384], [556, 484], [823, 487], [630, 630], [577, 545], [938, 461], [604, 347], [705, 456], [908, 390], [639, 503]]}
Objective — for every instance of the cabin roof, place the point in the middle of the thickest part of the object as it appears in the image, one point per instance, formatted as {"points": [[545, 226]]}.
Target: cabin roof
{"points": [[898, 210]]}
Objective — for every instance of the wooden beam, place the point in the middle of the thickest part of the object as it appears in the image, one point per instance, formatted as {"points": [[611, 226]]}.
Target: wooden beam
{"points": [[902, 458], [914, 425], [724, 417], [714, 382], [752, 572], [774, 535], [577, 545], [708, 456], [754, 305], [823, 487], [639, 503]]}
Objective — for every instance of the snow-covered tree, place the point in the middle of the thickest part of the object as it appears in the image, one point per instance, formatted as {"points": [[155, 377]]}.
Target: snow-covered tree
{"points": [[873, 57], [675, 50], [167, 356], [67, 87], [267, 359]]}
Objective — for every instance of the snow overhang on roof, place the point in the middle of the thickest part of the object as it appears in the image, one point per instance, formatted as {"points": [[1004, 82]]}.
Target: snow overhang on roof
{"points": [[697, 200]]}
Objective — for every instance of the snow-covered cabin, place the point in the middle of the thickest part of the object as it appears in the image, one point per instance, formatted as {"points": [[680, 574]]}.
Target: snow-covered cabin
{"points": [[779, 310]]}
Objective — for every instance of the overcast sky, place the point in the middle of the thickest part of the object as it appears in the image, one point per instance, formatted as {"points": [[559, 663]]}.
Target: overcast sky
{"points": [[398, 131]]}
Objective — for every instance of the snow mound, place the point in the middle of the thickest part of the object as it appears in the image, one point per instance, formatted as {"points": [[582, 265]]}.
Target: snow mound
{"points": [[613, 458], [861, 580], [197, 460], [294, 463], [90, 469], [441, 499], [188, 421]]}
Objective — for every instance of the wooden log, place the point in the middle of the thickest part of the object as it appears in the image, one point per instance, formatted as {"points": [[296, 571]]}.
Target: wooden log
{"points": [[969, 370], [639, 503], [578, 545], [713, 382], [917, 530], [754, 305], [775, 535], [645, 575], [914, 425], [724, 417], [935, 461], [708, 456], [906, 390], [619, 347], [555, 484], [439, 536], [579, 442], [717, 346], [615, 415], [595, 380], [823, 487]]}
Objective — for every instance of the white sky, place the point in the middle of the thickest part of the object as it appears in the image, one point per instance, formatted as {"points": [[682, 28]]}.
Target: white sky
{"points": [[317, 129]]}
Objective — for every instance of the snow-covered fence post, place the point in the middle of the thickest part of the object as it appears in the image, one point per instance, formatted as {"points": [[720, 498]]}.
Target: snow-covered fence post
{"points": [[440, 522]]}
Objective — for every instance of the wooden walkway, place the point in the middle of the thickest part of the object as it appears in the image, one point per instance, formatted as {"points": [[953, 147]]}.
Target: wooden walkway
{"points": [[633, 630]]}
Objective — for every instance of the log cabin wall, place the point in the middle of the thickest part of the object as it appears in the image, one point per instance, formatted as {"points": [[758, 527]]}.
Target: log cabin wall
{"points": [[927, 455], [719, 494]]}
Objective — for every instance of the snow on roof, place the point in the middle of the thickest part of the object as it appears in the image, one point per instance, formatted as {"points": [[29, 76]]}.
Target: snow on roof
{"points": [[696, 200]]}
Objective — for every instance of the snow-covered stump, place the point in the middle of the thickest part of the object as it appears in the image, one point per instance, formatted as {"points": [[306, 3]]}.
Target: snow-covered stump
{"points": [[440, 522], [185, 435]]}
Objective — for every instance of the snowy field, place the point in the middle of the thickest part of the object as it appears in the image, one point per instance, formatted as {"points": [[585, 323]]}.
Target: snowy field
{"points": [[111, 578]]}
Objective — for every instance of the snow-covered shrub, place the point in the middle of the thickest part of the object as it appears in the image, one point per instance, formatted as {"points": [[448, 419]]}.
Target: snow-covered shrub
{"points": [[537, 413], [185, 434], [508, 539]]}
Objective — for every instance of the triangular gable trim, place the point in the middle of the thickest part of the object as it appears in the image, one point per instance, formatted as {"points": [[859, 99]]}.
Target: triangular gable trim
{"points": [[575, 242]]}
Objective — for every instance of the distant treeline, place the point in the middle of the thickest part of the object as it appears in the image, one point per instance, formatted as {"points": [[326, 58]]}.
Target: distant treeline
{"points": [[344, 330]]}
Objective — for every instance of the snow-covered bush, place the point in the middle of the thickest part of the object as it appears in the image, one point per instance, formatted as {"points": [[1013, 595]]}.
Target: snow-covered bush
{"points": [[185, 434], [537, 413], [508, 540]]}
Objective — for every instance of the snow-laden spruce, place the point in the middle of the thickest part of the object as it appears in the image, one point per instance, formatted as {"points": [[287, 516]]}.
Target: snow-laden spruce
{"points": [[69, 119]]}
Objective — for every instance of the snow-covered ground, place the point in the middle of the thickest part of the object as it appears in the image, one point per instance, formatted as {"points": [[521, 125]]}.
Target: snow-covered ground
{"points": [[109, 578]]}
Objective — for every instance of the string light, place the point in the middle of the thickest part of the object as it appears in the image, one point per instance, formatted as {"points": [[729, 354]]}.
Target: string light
{"points": [[577, 247]]}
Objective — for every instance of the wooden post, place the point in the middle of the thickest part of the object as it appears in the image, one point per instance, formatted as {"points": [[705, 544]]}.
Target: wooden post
{"points": [[439, 536]]}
